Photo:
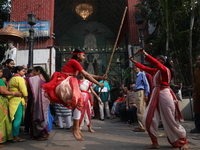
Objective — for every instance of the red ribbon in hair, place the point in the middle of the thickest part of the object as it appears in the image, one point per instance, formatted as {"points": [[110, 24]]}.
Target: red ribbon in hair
{"points": [[158, 59], [77, 53]]}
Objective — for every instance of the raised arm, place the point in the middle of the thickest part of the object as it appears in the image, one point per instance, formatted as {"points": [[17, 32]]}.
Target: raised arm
{"points": [[90, 78], [145, 68]]}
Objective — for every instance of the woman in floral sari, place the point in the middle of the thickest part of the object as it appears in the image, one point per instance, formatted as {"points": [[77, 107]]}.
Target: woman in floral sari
{"points": [[40, 111], [17, 104], [5, 122]]}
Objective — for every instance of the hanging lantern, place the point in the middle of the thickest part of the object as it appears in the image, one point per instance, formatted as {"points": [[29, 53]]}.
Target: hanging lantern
{"points": [[84, 10]]}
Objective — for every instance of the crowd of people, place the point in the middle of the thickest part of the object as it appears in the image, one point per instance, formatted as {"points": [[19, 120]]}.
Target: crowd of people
{"points": [[71, 94], [23, 103]]}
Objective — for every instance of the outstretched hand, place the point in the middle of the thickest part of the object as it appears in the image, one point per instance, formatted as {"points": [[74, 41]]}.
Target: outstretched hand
{"points": [[131, 59], [140, 50]]}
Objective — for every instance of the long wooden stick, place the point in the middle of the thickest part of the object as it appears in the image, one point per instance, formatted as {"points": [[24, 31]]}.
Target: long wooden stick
{"points": [[135, 55], [113, 51], [147, 46], [119, 31]]}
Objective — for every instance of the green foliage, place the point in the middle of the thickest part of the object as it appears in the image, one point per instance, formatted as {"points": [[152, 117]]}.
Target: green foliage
{"points": [[4, 11], [171, 19], [127, 73]]}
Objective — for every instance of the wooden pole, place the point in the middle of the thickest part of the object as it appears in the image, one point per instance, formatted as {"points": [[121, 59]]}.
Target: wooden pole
{"points": [[119, 31], [113, 51]]}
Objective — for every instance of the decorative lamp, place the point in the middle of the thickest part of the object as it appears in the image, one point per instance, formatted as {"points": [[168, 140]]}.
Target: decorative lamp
{"points": [[84, 10], [31, 19]]}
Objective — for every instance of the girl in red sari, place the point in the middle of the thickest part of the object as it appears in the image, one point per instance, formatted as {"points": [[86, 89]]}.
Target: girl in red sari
{"points": [[163, 104], [64, 88]]}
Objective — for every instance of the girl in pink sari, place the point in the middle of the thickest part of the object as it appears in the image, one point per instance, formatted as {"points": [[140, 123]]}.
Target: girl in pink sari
{"points": [[40, 114], [163, 104], [63, 88]]}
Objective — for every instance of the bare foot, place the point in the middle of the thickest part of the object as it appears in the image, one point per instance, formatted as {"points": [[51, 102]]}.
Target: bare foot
{"points": [[77, 134], [90, 130], [153, 146], [184, 147]]}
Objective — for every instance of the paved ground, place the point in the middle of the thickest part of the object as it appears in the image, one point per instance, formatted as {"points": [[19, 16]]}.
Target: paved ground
{"points": [[109, 135]]}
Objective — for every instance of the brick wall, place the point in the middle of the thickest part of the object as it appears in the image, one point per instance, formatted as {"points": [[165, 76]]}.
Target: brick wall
{"points": [[133, 27], [43, 9]]}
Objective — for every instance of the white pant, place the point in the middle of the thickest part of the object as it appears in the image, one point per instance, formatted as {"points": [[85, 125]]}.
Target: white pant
{"points": [[101, 109], [68, 121]]}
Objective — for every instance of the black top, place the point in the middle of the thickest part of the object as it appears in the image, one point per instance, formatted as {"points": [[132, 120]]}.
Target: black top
{"points": [[7, 74]]}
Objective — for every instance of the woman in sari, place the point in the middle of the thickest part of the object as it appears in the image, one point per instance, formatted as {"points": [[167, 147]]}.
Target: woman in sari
{"points": [[86, 88], [5, 122], [17, 105], [40, 110], [63, 88], [163, 104]]}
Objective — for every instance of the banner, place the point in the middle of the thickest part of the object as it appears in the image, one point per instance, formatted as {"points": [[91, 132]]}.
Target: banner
{"points": [[41, 28]]}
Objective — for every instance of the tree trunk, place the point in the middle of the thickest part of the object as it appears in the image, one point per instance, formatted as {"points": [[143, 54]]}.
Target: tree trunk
{"points": [[190, 42]]}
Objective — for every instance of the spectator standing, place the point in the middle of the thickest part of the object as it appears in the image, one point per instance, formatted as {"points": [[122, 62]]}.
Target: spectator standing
{"points": [[5, 122], [142, 90], [41, 119], [115, 91], [131, 106], [27, 117], [104, 98], [17, 104], [196, 97], [63, 112], [150, 81], [7, 74]]}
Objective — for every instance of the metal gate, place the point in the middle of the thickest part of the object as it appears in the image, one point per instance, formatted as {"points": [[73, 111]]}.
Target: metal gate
{"points": [[96, 61]]}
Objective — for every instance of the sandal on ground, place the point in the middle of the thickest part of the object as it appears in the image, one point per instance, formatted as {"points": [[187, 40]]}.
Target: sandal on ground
{"points": [[55, 124], [113, 117], [18, 140], [41, 139], [45, 137], [139, 130]]}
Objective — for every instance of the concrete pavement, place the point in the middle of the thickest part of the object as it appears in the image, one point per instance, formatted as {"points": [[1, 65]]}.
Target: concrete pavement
{"points": [[109, 135]]}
